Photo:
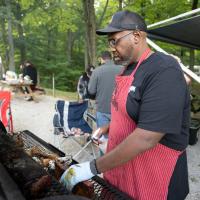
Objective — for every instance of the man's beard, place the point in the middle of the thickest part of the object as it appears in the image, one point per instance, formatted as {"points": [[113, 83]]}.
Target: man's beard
{"points": [[119, 61]]}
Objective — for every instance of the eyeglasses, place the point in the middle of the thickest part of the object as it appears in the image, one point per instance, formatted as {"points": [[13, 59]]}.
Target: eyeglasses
{"points": [[112, 42]]}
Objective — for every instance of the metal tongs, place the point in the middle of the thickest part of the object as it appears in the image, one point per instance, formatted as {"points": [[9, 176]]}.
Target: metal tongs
{"points": [[92, 138], [68, 159]]}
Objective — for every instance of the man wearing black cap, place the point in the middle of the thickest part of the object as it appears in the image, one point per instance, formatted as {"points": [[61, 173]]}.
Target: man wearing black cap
{"points": [[149, 127]]}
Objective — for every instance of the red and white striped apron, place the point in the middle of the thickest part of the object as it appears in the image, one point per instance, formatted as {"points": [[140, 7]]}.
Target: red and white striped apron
{"points": [[147, 177]]}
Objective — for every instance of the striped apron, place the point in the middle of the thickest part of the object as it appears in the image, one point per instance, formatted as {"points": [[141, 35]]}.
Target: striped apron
{"points": [[147, 177]]}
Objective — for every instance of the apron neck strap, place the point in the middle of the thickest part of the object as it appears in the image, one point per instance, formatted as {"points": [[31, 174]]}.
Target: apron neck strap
{"points": [[142, 58]]}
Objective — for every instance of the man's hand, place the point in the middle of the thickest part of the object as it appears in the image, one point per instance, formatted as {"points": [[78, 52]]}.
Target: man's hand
{"points": [[96, 135], [75, 174], [99, 134]]}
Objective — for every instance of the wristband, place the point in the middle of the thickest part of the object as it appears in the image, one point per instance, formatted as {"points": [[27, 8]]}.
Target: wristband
{"points": [[93, 167]]}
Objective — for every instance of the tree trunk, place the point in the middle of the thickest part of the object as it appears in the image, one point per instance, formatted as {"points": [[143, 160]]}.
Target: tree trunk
{"points": [[194, 4], [192, 52], [120, 5], [49, 38], [86, 57], [192, 59], [4, 38], [22, 46], [142, 6], [11, 64], [89, 15], [103, 13], [22, 43], [70, 42], [181, 54]]}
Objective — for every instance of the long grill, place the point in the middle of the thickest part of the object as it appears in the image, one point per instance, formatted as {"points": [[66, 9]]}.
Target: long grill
{"points": [[98, 189], [103, 190], [31, 140]]}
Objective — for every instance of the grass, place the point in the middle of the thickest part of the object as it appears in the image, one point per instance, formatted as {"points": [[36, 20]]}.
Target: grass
{"points": [[71, 96]]}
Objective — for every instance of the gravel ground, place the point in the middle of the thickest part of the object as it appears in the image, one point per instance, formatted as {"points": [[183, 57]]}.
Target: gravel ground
{"points": [[37, 118]]}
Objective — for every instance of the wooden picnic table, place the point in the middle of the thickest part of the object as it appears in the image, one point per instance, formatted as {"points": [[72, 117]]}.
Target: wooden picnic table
{"points": [[18, 87]]}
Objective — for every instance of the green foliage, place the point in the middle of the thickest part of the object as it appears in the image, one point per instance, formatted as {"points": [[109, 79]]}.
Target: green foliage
{"points": [[40, 28], [65, 78], [152, 11]]}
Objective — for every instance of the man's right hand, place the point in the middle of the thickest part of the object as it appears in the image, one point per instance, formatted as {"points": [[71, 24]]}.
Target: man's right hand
{"points": [[96, 135], [99, 134]]}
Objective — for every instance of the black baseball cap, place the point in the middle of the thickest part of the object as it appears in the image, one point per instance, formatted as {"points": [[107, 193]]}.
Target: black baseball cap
{"points": [[124, 20]]}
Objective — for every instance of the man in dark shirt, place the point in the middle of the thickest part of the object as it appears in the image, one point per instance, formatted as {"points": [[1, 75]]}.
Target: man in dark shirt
{"points": [[150, 113], [82, 86], [30, 70]]}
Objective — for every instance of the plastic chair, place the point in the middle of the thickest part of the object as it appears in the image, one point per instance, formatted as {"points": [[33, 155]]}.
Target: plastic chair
{"points": [[5, 110], [71, 115]]}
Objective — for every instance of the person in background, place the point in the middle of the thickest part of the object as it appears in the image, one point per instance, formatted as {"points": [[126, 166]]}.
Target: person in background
{"points": [[150, 115], [82, 86], [28, 69], [29, 72], [101, 87]]}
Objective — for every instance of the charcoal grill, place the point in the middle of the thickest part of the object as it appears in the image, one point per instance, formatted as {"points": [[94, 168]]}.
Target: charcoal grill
{"points": [[101, 190]]}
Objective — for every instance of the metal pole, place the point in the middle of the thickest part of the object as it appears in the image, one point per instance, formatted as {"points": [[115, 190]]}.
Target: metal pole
{"points": [[53, 85], [184, 68], [38, 78], [174, 18], [1, 69]]}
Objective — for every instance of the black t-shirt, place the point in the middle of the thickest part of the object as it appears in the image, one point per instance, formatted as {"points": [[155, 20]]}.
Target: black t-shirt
{"points": [[159, 99], [31, 72]]}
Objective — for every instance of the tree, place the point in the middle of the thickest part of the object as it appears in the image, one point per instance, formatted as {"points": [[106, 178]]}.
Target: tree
{"points": [[192, 52], [3, 35], [120, 4], [21, 40], [90, 22], [59, 37], [11, 64], [103, 13]]}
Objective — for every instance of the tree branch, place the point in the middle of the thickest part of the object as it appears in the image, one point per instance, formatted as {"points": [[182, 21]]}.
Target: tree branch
{"points": [[103, 13]]}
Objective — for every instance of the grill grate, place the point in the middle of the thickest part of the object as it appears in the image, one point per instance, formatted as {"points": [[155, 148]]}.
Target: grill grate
{"points": [[31, 140], [101, 189], [104, 191]]}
